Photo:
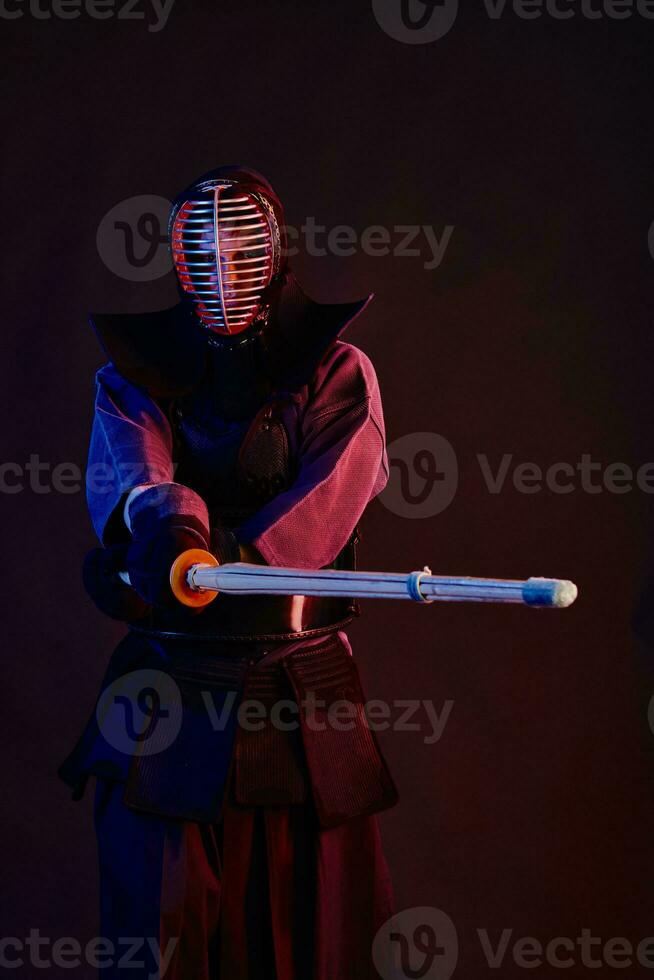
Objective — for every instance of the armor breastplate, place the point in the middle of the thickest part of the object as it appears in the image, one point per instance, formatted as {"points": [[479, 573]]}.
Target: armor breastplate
{"points": [[237, 466]]}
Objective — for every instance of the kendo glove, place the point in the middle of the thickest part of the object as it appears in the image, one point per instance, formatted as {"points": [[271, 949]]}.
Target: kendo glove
{"points": [[161, 532], [110, 594]]}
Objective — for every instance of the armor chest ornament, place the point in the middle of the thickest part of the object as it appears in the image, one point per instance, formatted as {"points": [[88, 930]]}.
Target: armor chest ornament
{"points": [[237, 465]]}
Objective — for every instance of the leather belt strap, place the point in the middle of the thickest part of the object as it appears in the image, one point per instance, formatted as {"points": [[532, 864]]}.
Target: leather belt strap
{"points": [[252, 619]]}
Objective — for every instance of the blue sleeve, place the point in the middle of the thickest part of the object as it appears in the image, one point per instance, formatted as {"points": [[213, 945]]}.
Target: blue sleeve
{"points": [[131, 445]]}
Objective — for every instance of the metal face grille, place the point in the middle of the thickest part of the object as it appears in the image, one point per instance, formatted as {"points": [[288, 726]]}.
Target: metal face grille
{"points": [[223, 247]]}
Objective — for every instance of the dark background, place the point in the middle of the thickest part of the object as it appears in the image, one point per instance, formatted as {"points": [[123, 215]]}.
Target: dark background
{"points": [[534, 139]]}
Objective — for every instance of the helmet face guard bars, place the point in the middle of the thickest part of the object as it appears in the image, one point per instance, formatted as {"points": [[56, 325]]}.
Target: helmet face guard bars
{"points": [[226, 249]]}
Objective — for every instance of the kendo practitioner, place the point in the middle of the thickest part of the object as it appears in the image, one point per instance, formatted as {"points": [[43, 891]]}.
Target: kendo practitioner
{"points": [[240, 423]]}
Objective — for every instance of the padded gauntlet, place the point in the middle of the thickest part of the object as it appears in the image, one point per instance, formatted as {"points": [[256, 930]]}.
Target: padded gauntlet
{"points": [[167, 520]]}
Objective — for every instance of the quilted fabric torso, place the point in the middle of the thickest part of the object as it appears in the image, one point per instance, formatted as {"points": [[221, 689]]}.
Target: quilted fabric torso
{"points": [[231, 444]]}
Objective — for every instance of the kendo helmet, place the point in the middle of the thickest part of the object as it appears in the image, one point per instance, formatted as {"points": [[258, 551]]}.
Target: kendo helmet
{"points": [[228, 247]]}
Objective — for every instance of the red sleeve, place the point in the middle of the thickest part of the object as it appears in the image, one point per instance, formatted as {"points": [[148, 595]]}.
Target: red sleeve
{"points": [[342, 466]]}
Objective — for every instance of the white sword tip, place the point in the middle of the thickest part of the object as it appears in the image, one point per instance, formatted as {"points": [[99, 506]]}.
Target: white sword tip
{"points": [[565, 593]]}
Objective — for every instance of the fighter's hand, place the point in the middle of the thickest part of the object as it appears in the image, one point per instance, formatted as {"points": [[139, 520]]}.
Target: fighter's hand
{"points": [[156, 543]]}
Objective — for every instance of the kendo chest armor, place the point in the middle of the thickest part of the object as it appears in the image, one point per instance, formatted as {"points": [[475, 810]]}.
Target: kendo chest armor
{"points": [[237, 466]]}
